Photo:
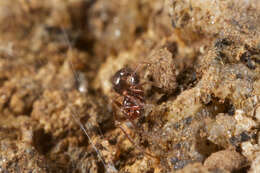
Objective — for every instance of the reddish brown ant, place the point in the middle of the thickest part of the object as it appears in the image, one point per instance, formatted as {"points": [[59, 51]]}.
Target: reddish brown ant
{"points": [[126, 82]]}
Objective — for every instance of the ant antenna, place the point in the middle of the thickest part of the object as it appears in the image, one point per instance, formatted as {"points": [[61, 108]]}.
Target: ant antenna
{"points": [[110, 168], [131, 140], [137, 68]]}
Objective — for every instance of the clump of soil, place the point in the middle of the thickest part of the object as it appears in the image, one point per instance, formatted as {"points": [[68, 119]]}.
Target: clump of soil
{"points": [[198, 63]]}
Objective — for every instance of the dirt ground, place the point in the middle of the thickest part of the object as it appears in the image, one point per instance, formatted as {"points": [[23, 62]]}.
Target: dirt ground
{"points": [[199, 61]]}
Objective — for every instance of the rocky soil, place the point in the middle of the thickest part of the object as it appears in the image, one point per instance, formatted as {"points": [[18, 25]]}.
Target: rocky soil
{"points": [[199, 61]]}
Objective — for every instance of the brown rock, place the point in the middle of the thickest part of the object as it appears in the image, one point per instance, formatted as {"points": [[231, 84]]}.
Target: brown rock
{"points": [[194, 168], [162, 70], [225, 159]]}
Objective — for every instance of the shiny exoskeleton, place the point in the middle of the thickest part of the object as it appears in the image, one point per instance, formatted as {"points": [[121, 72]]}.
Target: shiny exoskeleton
{"points": [[126, 83]]}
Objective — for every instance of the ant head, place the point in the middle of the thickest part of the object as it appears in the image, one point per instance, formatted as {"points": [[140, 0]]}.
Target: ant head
{"points": [[123, 79]]}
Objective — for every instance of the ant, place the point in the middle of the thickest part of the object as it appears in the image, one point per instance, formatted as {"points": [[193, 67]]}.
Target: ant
{"points": [[126, 83]]}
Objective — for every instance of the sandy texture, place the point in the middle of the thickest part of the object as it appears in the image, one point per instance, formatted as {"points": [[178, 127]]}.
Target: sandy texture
{"points": [[198, 61]]}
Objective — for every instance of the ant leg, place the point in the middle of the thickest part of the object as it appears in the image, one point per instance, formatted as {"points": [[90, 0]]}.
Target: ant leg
{"points": [[132, 141], [148, 108], [119, 106], [141, 131], [148, 82], [132, 107], [136, 90], [133, 99], [140, 64]]}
